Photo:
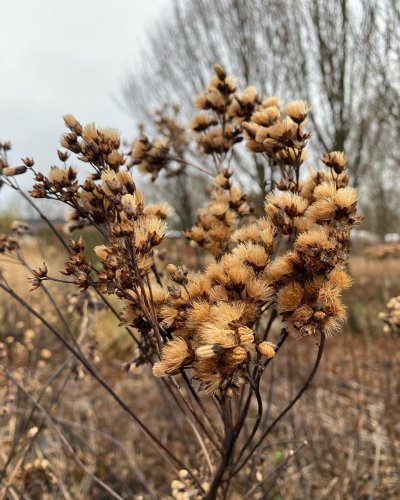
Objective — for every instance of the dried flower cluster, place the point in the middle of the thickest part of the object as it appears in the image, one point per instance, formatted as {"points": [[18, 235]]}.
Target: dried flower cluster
{"points": [[185, 488], [281, 138], [107, 197], [217, 127], [210, 316], [8, 243], [206, 320], [152, 157], [391, 317], [217, 221], [36, 473], [5, 169], [208, 327]]}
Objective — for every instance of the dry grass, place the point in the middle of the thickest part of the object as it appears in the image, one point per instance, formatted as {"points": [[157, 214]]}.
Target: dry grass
{"points": [[349, 420], [348, 417], [364, 269]]}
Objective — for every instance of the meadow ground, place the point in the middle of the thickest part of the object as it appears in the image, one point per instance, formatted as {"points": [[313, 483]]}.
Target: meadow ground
{"points": [[349, 416]]}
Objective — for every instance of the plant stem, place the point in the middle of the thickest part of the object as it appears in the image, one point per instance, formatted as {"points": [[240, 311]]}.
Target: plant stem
{"points": [[288, 407]]}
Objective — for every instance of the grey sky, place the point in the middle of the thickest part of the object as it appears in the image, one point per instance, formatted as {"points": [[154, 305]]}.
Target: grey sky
{"points": [[66, 56]]}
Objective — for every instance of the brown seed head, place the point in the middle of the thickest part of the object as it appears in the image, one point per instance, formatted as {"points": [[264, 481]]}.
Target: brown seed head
{"points": [[220, 72], [336, 160], [267, 349], [297, 110]]}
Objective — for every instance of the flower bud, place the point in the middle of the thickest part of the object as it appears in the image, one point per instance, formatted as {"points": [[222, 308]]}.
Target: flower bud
{"points": [[101, 252], [267, 349], [220, 72], [11, 171]]}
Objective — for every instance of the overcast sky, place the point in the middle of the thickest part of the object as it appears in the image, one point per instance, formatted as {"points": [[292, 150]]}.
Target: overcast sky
{"points": [[66, 56]]}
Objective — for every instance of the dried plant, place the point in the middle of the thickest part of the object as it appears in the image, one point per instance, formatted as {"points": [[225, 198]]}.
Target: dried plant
{"points": [[208, 334], [392, 317], [386, 250]]}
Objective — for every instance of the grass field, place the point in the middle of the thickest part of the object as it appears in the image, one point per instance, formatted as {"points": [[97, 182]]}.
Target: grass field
{"points": [[349, 416]]}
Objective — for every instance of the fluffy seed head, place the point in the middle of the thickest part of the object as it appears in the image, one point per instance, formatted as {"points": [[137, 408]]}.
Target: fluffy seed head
{"points": [[336, 160], [174, 355], [267, 349], [289, 297], [271, 101], [266, 117], [102, 252], [297, 110]]}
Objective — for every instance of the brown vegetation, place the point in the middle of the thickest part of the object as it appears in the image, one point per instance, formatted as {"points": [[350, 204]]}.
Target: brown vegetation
{"points": [[215, 352]]}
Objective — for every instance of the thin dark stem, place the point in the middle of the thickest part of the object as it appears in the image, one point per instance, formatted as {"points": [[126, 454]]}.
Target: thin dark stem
{"points": [[257, 375], [29, 418], [115, 313], [52, 300], [190, 164], [275, 472], [182, 409], [193, 412], [256, 391], [170, 456], [272, 318], [270, 393], [63, 439], [288, 407], [42, 216], [282, 339], [198, 401], [227, 448], [57, 280], [242, 419], [157, 275]]}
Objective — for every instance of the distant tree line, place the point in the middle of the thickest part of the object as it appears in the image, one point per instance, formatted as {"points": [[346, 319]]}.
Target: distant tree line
{"points": [[340, 55]]}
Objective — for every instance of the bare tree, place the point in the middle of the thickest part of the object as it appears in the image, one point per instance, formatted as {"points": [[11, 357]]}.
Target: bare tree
{"points": [[340, 55], [200, 33], [185, 193]]}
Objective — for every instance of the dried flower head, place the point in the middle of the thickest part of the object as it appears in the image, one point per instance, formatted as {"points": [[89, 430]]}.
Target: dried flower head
{"points": [[175, 354], [267, 349], [335, 160], [297, 110], [391, 317]]}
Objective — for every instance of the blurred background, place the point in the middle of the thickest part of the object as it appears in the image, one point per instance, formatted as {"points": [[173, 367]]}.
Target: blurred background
{"points": [[116, 64]]}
